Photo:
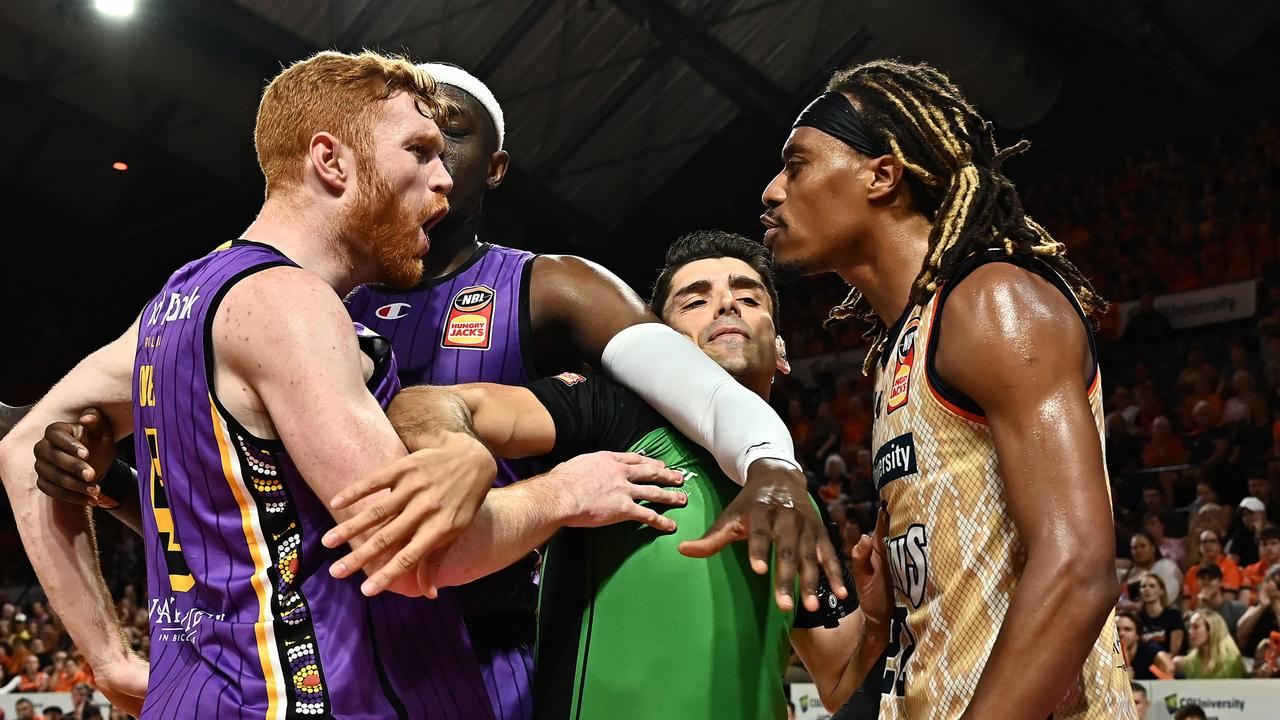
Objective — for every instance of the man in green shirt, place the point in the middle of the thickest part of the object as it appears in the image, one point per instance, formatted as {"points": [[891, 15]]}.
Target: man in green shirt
{"points": [[628, 626]]}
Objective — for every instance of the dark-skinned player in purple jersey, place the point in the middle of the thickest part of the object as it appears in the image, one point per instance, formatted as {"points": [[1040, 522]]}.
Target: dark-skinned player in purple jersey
{"points": [[495, 314]]}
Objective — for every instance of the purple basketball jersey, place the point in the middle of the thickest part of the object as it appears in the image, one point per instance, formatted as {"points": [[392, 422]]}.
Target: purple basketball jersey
{"points": [[245, 620], [472, 325]]}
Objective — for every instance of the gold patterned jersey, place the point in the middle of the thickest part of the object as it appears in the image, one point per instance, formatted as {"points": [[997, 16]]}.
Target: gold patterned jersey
{"points": [[954, 553]]}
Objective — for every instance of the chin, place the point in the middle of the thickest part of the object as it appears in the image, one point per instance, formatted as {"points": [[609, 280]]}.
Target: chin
{"points": [[402, 274]]}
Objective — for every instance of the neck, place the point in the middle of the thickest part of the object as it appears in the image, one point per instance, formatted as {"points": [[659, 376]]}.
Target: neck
{"points": [[885, 274], [313, 241], [1153, 607], [451, 246]]}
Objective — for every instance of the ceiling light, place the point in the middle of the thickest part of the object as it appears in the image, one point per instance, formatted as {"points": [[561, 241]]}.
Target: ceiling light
{"points": [[118, 8], [121, 166]]}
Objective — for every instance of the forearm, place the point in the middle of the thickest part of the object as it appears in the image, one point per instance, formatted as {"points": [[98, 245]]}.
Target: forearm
{"points": [[421, 414], [60, 544], [1248, 621], [839, 659], [1056, 605], [512, 522], [698, 397]]}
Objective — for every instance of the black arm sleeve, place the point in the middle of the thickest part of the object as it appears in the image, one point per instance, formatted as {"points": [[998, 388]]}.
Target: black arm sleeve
{"points": [[120, 483], [592, 412], [830, 607]]}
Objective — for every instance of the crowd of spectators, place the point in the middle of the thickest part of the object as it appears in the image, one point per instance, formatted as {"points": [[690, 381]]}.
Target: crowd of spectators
{"points": [[1192, 419]]}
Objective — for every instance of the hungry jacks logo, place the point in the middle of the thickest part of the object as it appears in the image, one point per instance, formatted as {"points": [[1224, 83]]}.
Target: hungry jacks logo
{"points": [[470, 321]]}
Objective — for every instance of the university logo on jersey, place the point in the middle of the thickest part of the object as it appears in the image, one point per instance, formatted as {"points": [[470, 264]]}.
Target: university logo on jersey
{"points": [[904, 358], [393, 311], [470, 321]]}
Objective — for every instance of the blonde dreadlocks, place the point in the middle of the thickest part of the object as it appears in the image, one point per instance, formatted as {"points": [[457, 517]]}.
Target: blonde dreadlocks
{"points": [[953, 165]]}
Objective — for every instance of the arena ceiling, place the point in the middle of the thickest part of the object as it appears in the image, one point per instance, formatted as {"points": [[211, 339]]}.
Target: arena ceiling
{"points": [[605, 99]]}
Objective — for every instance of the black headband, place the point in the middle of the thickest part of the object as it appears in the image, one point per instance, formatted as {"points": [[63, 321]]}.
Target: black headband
{"points": [[833, 114]]}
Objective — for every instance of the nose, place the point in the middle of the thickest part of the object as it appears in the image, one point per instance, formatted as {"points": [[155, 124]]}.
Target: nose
{"points": [[727, 304], [439, 181], [774, 193]]}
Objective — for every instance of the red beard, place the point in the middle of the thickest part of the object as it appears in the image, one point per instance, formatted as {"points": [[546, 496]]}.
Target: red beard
{"points": [[387, 228]]}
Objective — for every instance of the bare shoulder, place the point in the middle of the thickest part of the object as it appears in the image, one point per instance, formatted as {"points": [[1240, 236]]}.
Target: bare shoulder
{"points": [[568, 272], [1021, 327], [1000, 297], [280, 308]]}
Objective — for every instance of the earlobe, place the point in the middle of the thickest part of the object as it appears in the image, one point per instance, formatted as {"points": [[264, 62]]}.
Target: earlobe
{"points": [[784, 365], [497, 168], [327, 161]]}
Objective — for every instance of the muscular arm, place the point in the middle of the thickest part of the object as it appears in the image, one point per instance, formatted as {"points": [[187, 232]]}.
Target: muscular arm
{"points": [[1015, 345], [58, 536], [296, 375]]}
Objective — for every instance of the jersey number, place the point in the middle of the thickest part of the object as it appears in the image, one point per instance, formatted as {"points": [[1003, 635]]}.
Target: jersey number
{"points": [[898, 652], [179, 575]]}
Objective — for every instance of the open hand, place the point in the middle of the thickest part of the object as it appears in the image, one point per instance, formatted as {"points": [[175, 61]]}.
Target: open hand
{"points": [[773, 509], [434, 495]]}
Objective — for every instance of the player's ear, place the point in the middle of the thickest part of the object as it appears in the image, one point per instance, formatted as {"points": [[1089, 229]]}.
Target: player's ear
{"points": [[497, 168], [780, 347], [887, 175], [330, 161]]}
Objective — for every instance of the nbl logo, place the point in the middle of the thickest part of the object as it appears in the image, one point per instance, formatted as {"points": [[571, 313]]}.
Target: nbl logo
{"points": [[470, 321]]}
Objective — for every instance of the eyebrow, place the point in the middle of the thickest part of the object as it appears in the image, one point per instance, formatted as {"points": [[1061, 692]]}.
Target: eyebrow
{"points": [[736, 282], [430, 140]]}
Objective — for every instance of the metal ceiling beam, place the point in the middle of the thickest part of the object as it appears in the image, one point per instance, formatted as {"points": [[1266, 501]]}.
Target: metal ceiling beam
{"points": [[269, 43], [533, 12], [849, 50], [623, 90], [738, 80]]}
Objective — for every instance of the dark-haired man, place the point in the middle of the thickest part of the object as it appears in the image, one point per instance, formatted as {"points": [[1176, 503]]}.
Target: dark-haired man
{"points": [[607, 591], [987, 436]]}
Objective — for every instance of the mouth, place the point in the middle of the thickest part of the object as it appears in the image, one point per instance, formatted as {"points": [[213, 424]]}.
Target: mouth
{"points": [[424, 229], [729, 330]]}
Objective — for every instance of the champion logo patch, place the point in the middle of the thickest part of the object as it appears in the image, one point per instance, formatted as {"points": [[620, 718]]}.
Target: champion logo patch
{"points": [[393, 311], [905, 357], [570, 379], [470, 322]]}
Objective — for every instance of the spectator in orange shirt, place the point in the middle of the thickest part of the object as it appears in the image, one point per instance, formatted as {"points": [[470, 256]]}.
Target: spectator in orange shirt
{"points": [[1165, 448], [31, 680], [1268, 555], [1211, 554], [67, 676]]}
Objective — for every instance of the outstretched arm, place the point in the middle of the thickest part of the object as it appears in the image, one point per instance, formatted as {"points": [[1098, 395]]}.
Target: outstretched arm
{"points": [[1031, 382], [604, 320], [591, 490], [58, 536]]}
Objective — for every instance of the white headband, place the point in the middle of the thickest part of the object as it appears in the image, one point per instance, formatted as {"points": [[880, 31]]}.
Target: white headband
{"points": [[463, 80]]}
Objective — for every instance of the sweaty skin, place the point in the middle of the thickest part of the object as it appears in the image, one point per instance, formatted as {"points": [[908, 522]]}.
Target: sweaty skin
{"points": [[832, 209]]}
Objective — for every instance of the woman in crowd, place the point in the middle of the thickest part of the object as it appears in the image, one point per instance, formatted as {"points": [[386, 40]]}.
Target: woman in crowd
{"points": [[1146, 559], [1214, 654], [1145, 660], [1158, 622]]}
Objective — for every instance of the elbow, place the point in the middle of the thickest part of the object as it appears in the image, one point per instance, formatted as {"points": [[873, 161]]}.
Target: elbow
{"points": [[1090, 578]]}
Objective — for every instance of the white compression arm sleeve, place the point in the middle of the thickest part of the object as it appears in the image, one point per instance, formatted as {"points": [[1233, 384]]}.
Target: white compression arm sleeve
{"points": [[698, 397]]}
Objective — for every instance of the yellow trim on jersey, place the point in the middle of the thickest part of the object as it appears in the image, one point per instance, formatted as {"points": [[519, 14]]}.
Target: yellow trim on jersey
{"points": [[257, 550]]}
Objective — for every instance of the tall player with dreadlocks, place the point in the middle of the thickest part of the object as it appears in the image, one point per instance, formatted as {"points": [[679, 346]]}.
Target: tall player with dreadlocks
{"points": [[988, 435]]}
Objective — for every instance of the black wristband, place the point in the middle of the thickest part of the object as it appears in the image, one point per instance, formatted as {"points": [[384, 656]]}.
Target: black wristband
{"points": [[120, 483]]}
